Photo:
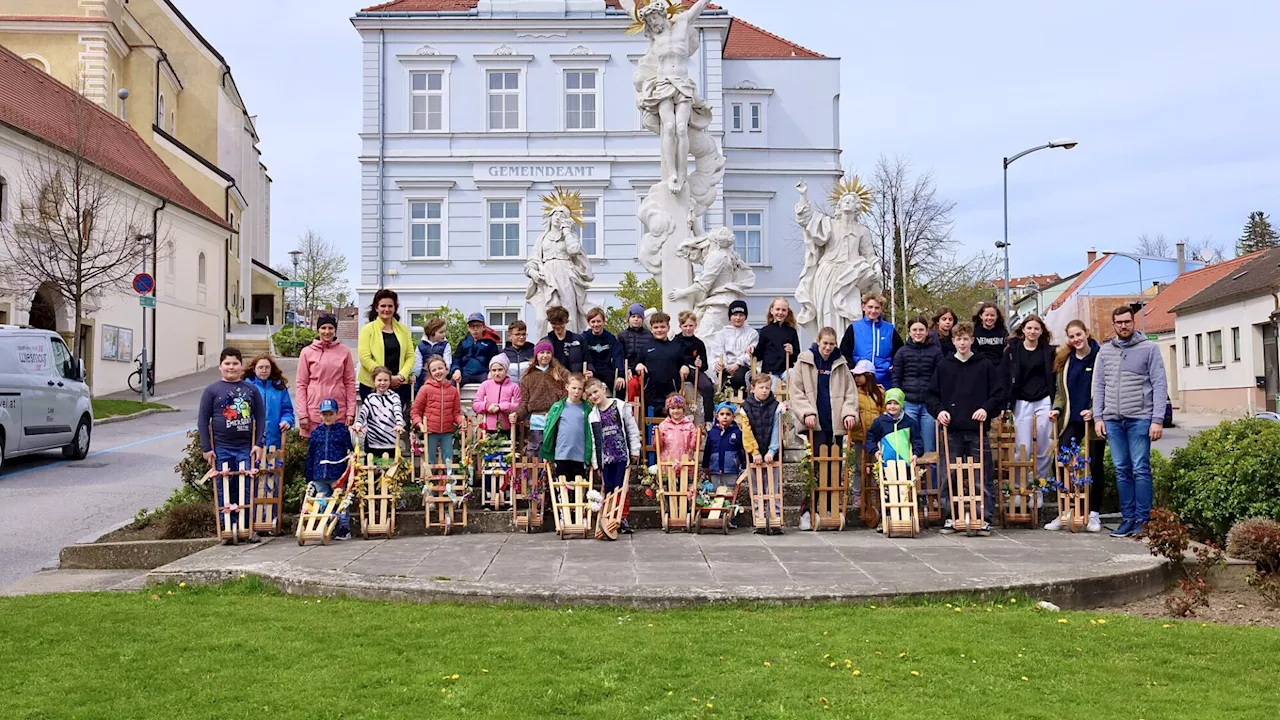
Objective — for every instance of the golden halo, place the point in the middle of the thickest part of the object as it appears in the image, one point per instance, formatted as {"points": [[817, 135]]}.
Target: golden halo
{"points": [[674, 7], [569, 200], [852, 186]]}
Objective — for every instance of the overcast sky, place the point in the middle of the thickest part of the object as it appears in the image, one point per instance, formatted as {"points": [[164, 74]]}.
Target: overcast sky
{"points": [[1174, 104]]}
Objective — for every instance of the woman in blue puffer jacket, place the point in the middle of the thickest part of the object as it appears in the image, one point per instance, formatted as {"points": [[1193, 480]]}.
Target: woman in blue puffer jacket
{"points": [[274, 389]]}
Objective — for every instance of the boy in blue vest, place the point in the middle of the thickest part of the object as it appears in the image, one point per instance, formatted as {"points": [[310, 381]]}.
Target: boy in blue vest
{"points": [[433, 343]]}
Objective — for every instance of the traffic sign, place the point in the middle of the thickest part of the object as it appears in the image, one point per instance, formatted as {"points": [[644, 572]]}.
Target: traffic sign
{"points": [[291, 283], [147, 301], [143, 284]]}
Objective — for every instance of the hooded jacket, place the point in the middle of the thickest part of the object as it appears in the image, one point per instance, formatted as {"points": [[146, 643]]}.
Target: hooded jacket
{"points": [[724, 453], [913, 367], [874, 340], [520, 358], [868, 410], [842, 391], [604, 356], [887, 424], [506, 395], [1075, 385], [769, 348], [427, 349], [439, 404], [630, 431], [961, 387], [1128, 381], [327, 450], [472, 356], [325, 370], [677, 440], [571, 351], [277, 408]]}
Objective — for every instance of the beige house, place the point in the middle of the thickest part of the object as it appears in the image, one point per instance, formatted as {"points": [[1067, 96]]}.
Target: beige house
{"points": [[41, 122], [183, 103], [1226, 339]]}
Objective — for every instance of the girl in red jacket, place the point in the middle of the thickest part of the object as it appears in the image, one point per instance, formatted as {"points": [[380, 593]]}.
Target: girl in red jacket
{"points": [[498, 397], [438, 411]]}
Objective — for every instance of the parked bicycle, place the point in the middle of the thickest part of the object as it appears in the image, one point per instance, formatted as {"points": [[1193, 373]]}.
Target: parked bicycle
{"points": [[135, 379]]}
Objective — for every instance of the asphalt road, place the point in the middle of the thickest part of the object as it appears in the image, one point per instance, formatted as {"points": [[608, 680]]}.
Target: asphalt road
{"points": [[50, 502]]}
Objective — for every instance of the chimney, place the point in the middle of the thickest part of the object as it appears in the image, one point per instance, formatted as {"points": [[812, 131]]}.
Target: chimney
{"points": [[1182, 258], [1093, 255]]}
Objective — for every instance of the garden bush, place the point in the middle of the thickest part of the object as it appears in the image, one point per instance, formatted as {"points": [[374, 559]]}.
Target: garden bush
{"points": [[1256, 540], [192, 467], [1224, 474], [290, 341], [188, 520]]}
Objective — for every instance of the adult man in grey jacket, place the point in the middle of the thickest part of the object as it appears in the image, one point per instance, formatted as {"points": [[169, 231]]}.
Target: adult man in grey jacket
{"points": [[1129, 395]]}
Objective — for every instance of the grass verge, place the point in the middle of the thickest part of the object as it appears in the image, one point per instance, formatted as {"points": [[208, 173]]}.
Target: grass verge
{"points": [[114, 408], [179, 652]]}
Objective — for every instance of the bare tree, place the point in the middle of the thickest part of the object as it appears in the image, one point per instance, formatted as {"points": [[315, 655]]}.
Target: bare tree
{"points": [[322, 266], [1206, 250], [1153, 246], [75, 232]]}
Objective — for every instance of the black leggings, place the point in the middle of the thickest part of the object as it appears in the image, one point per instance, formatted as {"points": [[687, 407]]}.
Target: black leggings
{"points": [[1097, 446]]}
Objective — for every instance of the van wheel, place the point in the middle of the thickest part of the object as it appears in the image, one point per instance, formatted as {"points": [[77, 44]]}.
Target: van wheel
{"points": [[79, 446]]}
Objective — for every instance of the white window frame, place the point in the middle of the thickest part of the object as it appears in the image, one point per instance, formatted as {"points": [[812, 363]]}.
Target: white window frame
{"points": [[1209, 338], [745, 228], [597, 93], [501, 328], [1235, 344], [598, 220], [735, 117], [415, 329], [519, 93], [202, 273], [442, 221], [160, 112], [519, 220], [755, 117], [428, 93], [426, 60]]}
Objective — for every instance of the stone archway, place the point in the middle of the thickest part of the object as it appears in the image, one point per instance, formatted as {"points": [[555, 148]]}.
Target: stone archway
{"points": [[44, 309]]}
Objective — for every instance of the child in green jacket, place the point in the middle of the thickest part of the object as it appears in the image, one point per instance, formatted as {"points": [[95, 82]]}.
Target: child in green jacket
{"points": [[567, 438]]}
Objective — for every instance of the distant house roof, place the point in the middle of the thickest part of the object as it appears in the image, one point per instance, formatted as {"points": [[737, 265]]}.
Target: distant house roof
{"points": [[1159, 313], [1259, 275], [1023, 281], [1083, 276], [744, 40], [35, 104], [1103, 279]]}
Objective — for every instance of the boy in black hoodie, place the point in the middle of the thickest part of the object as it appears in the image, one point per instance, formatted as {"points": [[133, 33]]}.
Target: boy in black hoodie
{"points": [[965, 393], [604, 353], [568, 346], [661, 370], [693, 353]]}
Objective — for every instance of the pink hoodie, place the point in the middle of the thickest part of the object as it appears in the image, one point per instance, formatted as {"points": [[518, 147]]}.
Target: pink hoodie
{"points": [[506, 396], [325, 370], [678, 439]]}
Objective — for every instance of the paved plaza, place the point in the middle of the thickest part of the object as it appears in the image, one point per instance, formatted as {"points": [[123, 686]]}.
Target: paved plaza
{"points": [[651, 568]]}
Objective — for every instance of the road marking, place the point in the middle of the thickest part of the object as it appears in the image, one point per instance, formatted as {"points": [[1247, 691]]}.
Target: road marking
{"points": [[95, 453]]}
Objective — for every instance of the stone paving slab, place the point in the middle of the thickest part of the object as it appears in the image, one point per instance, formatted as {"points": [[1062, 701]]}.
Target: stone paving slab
{"points": [[653, 569]]}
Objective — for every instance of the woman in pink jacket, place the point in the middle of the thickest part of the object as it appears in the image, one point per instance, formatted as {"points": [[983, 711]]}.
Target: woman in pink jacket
{"points": [[498, 397], [325, 370]]}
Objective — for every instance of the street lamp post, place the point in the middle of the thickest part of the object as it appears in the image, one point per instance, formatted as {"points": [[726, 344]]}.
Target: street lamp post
{"points": [[295, 254], [1065, 144], [1142, 289]]}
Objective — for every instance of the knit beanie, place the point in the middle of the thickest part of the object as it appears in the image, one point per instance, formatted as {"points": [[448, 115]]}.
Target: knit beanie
{"points": [[500, 359], [635, 309], [543, 346], [895, 395], [327, 320]]}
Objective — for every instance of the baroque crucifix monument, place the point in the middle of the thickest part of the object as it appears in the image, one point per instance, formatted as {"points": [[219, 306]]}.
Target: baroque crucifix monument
{"points": [[671, 108]]}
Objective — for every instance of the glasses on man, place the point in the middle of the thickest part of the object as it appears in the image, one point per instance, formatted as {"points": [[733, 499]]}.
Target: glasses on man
{"points": [[1122, 322]]}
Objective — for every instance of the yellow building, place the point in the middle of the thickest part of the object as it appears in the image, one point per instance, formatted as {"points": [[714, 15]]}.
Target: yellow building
{"points": [[183, 101]]}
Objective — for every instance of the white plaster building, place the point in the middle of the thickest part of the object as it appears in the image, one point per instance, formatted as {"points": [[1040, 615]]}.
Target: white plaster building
{"points": [[475, 108]]}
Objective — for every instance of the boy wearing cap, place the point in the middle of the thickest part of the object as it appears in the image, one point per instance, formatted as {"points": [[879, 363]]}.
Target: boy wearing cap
{"points": [[729, 347], [724, 456], [965, 393], [472, 356], [604, 353], [327, 454], [635, 339], [569, 348]]}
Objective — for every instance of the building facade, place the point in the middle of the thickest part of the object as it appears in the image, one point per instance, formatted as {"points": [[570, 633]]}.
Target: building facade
{"points": [[183, 102], [475, 108], [44, 126]]}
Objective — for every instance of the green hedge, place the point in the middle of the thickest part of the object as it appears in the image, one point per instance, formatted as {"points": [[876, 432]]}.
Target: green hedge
{"points": [[1223, 475], [290, 341]]}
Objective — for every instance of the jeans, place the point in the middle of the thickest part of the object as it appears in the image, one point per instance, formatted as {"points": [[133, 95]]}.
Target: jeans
{"points": [[613, 475], [571, 470], [233, 458], [1131, 452], [324, 488], [830, 439], [920, 413], [964, 443], [439, 450], [1031, 418]]}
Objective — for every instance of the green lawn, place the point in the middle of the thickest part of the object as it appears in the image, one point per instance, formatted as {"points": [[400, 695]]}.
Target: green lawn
{"points": [[238, 651], [112, 408]]}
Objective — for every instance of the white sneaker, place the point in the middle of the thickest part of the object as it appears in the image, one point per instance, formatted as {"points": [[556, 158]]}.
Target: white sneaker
{"points": [[948, 528], [805, 524], [1056, 523], [1095, 523]]}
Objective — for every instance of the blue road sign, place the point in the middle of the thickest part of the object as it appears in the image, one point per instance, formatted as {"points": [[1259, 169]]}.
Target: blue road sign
{"points": [[143, 283]]}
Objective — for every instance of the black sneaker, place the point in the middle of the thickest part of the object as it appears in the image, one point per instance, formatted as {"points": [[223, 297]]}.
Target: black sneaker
{"points": [[985, 530], [625, 528], [948, 528]]}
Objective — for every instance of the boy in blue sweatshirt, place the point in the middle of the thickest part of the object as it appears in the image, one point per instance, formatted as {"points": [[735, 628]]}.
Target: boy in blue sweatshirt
{"points": [[327, 455]]}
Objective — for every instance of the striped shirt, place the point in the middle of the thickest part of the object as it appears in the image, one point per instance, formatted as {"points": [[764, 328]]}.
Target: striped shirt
{"points": [[380, 414]]}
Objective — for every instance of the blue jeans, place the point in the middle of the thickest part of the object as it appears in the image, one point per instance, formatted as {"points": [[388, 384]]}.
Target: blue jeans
{"points": [[920, 413], [439, 450], [233, 458], [324, 488], [1131, 452]]}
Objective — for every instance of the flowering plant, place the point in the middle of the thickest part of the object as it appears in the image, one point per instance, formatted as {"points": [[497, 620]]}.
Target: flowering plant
{"points": [[1074, 460]]}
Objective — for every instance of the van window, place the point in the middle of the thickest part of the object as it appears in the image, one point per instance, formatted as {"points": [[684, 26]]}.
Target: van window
{"points": [[62, 359]]}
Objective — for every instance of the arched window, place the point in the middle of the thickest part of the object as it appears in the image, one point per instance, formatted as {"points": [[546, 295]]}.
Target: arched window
{"points": [[200, 270], [4, 198], [160, 112], [37, 62]]}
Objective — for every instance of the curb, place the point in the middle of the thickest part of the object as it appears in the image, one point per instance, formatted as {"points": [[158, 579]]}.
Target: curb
{"points": [[130, 555], [135, 416], [1076, 593]]}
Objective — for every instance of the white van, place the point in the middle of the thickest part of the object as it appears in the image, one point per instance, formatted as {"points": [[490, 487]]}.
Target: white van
{"points": [[44, 402]]}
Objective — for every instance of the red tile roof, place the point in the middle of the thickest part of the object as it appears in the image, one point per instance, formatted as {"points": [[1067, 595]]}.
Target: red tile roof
{"points": [[35, 104], [1022, 281], [1079, 281], [744, 40], [1158, 311]]}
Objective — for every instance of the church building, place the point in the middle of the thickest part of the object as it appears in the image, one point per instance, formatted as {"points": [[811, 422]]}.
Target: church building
{"points": [[473, 109]]}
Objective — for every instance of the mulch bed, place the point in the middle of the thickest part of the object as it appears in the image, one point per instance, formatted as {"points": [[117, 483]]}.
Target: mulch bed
{"points": [[1226, 607]]}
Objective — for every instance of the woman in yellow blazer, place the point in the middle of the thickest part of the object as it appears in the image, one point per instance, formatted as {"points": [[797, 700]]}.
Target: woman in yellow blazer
{"points": [[386, 341]]}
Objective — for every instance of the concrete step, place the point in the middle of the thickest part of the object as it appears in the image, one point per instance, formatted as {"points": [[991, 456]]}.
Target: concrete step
{"points": [[250, 346]]}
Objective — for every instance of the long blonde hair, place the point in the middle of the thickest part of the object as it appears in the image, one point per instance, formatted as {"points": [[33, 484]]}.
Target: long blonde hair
{"points": [[1065, 350]]}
